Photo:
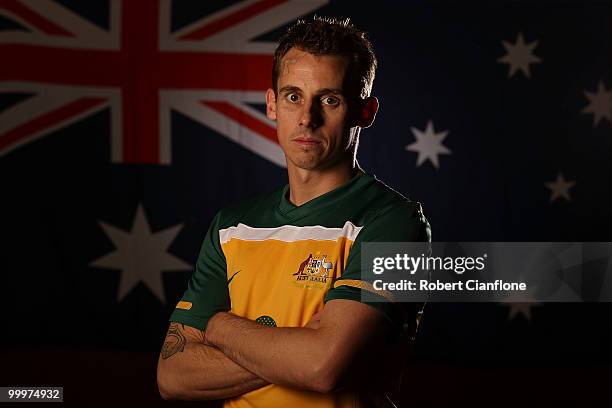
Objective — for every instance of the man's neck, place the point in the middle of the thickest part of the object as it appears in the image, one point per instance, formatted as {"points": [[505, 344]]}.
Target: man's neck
{"points": [[305, 185]]}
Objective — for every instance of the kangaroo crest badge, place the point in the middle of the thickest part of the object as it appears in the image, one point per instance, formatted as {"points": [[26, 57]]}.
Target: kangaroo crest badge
{"points": [[314, 269]]}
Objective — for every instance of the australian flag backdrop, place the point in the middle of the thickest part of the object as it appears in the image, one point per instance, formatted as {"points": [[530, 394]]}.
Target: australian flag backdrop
{"points": [[125, 125]]}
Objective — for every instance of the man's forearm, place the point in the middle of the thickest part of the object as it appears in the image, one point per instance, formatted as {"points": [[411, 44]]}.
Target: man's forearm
{"points": [[191, 370], [284, 356]]}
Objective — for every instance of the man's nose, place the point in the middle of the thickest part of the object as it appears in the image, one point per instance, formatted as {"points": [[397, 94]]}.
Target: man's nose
{"points": [[311, 115]]}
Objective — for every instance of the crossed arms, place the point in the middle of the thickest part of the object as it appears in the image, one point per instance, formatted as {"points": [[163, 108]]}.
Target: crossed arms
{"points": [[236, 355]]}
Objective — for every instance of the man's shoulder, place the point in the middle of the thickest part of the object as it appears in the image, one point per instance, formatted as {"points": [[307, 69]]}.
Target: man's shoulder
{"points": [[258, 207], [391, 216], [384, 202]]}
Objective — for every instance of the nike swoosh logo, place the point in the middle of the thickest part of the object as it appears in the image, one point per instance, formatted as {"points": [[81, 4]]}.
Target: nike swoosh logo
{"points": [[235, 273]]}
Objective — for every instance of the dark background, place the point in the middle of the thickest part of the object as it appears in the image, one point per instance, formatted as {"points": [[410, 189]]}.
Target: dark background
{"points": [[65, 324]]}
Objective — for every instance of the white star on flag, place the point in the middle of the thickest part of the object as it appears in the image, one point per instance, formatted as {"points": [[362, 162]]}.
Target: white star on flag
{"points": [[600, 104], [428, 144], [519, 56], [560, 188], [521, 308], [520, 304], [141, 256]]}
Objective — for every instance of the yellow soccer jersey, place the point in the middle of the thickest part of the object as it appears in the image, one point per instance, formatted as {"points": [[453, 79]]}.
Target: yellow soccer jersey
{"points": [[277, 264]]}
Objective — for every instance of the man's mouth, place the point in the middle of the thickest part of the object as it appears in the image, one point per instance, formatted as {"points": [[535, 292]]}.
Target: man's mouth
{"points": [[307, 141]]}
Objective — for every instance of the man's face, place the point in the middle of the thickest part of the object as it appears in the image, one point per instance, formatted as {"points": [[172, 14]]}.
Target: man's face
{"points": [[311, 109]]}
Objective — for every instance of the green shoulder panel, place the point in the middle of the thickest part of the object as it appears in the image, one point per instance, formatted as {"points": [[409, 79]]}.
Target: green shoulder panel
{"points": [[399, 221], [207, 292]]}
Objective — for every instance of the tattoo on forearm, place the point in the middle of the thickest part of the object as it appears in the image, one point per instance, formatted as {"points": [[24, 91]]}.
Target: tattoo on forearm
{"points": [[175, 341]]}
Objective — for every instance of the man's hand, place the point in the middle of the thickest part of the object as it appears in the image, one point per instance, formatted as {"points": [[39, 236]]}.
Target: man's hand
{"points": [[190, 368]]}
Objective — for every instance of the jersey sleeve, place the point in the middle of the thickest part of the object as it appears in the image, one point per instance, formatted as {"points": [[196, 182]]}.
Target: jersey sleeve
{"points": [[403, 222], [207, 291]]}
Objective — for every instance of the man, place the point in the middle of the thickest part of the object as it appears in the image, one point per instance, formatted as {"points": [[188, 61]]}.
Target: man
{"points": [[273, 316]]}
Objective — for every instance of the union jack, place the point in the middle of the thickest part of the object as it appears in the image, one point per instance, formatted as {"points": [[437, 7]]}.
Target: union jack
{"points": [[209, 70]]}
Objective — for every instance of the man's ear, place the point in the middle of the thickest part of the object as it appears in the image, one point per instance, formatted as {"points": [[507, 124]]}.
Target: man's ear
{"points": [[366, 112], [271, 104]]}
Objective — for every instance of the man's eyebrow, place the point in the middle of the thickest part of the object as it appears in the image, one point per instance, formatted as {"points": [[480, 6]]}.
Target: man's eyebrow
{"points": [[289, 88], [293, 88], [335, 91]]}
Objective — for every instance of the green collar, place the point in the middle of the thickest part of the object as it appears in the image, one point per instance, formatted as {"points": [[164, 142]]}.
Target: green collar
{"points": [[291, 211]]}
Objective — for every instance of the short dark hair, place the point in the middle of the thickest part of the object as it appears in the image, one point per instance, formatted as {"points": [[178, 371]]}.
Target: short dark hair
{"points": [[331, 36]]}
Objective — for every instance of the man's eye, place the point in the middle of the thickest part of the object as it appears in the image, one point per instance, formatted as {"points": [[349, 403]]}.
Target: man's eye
{"points": [[293, 97], [330, 100]]}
